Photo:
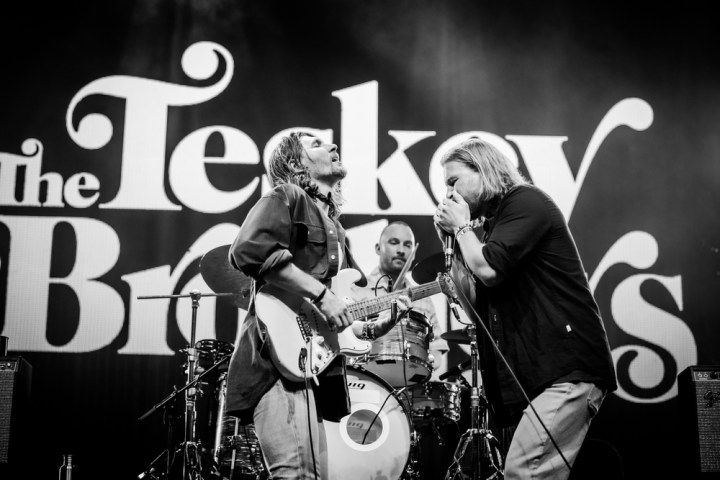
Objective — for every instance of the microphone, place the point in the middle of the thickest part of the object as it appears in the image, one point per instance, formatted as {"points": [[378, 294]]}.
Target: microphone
{"points": [[449, 241], [456, 370]]}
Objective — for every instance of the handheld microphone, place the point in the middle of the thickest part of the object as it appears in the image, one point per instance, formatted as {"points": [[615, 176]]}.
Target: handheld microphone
{"points": [[449, 241], [456, 370]]}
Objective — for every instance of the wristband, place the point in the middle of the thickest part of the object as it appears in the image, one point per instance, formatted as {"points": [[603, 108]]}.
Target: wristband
{"points": [[317, 299], [463, 230], [368, 331]]}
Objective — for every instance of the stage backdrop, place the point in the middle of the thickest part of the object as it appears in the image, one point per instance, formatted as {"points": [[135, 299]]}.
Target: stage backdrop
{"points": [[134, 137]]}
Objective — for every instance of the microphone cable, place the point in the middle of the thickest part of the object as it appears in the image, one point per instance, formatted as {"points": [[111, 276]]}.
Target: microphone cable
{"points": [[478, 320]]}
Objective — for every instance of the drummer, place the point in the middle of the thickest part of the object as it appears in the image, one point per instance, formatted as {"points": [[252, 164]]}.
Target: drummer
{"points": [[394, 248]]}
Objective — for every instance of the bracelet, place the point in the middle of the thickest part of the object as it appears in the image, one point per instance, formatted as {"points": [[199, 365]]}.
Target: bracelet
{"points": [[463, 230], [317, 299], [368, 331]]}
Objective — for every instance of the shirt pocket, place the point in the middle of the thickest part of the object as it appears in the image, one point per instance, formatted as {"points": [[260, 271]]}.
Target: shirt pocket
{"points": [[311, 249]]}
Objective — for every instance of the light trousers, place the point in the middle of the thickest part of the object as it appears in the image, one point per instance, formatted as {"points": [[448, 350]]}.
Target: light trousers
{"points": [[566, 409], [290, 433]]}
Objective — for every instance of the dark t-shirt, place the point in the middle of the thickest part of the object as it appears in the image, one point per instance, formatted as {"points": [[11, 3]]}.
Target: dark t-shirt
{"points": [[542, 315]]}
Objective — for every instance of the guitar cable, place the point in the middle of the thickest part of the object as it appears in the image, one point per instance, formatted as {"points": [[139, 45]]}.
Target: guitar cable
{"points": [[305, 360], [307, 404]]}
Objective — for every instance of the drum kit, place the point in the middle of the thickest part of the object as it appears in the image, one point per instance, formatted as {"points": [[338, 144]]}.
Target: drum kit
{"points": [[398, 421]]}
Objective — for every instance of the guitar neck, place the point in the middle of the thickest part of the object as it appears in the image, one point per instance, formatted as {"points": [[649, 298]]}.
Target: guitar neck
{"points": [[371, 306]]}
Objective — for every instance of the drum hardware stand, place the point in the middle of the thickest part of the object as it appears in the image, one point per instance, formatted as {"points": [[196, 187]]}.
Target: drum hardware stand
{"points": [[66, 467], [483, 444], [192, 465], [218, 420]]}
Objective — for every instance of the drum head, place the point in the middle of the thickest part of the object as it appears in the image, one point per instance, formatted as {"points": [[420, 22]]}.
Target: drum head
{"points": [[374, 440]]}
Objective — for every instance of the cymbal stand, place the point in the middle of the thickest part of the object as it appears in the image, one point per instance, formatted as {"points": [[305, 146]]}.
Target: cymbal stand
{"points": [[192, 385], [191, 467], [191, 464], [484, 447]]}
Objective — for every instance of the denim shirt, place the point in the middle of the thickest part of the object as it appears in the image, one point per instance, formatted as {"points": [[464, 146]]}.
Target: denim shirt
{"points": [[285, 226]]}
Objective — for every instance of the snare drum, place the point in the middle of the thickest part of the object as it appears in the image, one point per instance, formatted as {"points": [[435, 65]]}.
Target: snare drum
{"points": [[374, 440], [397, 363]]}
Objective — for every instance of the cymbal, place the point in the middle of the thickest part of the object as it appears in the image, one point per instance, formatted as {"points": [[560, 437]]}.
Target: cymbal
{"points": [[457, 336], [220, 276], [428, 268]]}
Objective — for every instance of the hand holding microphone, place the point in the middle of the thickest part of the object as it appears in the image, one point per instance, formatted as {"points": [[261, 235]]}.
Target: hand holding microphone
{"points": [[451, 213]]}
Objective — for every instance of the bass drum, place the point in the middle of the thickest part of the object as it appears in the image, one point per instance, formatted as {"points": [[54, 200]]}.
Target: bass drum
{"points": [[374, 440]]}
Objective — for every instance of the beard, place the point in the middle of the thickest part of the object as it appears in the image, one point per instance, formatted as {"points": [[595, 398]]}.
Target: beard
{"points": [[393, 266], [340, 170]]}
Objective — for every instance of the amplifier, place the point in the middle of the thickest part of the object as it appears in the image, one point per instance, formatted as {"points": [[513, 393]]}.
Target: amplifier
{"points": [[699, 399], [15, 378]]}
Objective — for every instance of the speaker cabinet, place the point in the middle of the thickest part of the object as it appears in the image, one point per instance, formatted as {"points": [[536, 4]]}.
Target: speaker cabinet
{"points": [[699, 399], [15, 378]]}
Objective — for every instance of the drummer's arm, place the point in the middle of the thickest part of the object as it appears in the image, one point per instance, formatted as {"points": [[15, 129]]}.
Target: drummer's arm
{"points": [[383, 324], [372, 328]]}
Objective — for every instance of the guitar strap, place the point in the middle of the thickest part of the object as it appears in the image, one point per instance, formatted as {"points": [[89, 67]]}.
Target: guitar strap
{"points": [[351, 263]]}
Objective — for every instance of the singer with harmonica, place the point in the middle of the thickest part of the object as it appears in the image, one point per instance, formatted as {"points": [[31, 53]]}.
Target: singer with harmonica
{"points": [[547, 341]]}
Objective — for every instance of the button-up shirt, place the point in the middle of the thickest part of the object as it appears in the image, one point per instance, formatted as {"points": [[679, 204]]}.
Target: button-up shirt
{"points": [[285, 226]]}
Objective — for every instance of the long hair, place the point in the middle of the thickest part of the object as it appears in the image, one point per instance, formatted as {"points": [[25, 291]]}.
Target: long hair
{"points": [[285, 167], [497, 173]]}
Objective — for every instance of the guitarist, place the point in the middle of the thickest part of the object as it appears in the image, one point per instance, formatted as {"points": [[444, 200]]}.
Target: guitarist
{"points": [[292, 239]]}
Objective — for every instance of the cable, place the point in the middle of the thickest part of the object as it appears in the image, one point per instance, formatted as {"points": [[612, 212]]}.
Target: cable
{"points": [[512, 373], [377, 414], [307, 404], [377, 284], [404, 347]]}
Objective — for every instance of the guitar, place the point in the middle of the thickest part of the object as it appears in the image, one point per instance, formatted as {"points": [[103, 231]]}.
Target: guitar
{"points": [[301, 342]]}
